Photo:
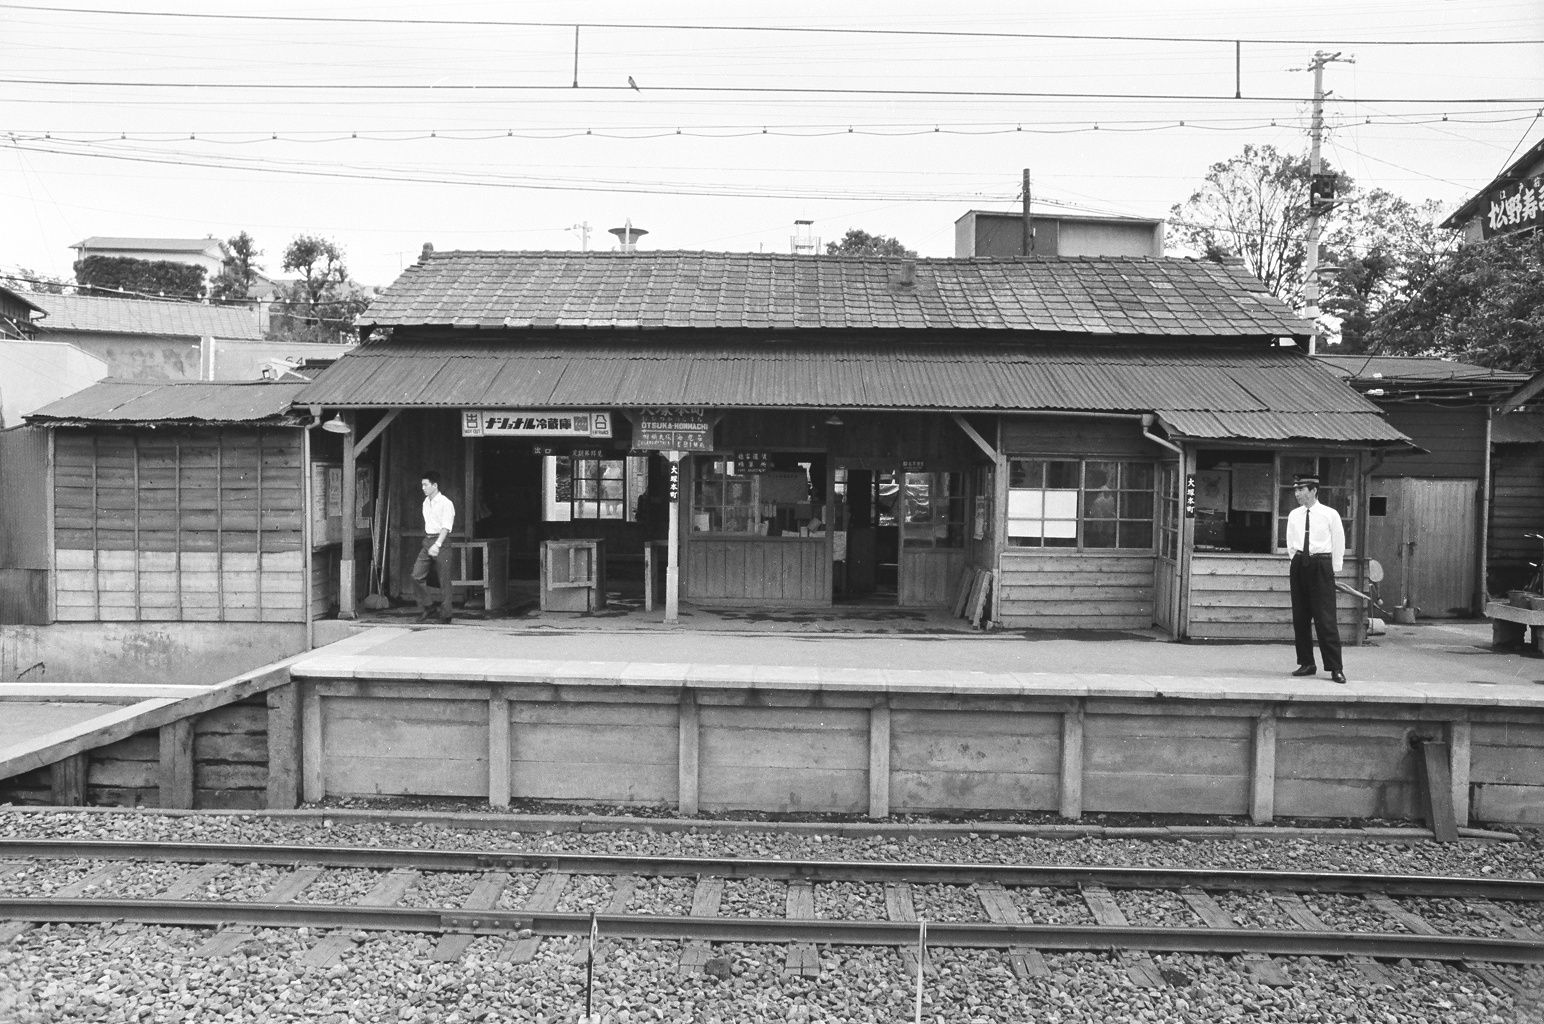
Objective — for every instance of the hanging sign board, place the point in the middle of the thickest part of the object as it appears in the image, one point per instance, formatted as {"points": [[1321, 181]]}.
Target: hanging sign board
{"points": [[1190, 495], [534, 423], [685, 430], [752, 462], [1515, 207]]}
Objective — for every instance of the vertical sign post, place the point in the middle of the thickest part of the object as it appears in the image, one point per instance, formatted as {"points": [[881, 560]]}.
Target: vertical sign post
{"points": [[673, 554]]}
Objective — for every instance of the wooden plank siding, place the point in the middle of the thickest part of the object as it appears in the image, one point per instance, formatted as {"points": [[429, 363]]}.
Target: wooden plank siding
{"points": [[1506, 771], [1517, 508], [1454, 440], [1249, 597], [929, 576], [791, 571], [1045, 589], [180, 525]]}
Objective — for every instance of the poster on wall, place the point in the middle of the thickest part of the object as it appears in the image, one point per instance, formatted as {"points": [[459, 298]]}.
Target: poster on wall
{"points": [[327, 501], [1213, 490], [1252, 488]]}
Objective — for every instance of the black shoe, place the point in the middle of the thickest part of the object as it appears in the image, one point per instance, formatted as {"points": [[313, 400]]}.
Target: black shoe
{"points": [[426, 616], [445, 620], [1338, 677], [1305, 670]]}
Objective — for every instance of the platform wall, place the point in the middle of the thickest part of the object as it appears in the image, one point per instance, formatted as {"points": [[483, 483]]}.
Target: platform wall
{"points": [[737, 748]]}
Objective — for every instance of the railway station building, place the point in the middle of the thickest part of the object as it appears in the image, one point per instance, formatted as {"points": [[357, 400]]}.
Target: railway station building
{"points": [[1064, 442]]}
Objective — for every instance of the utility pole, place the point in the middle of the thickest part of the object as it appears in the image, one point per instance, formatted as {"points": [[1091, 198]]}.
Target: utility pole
{"points": [[1028, 248], [583, 227], [1319, 200]]}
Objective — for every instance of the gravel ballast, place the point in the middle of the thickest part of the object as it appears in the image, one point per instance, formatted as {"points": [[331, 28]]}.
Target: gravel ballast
{"points": [[118, 972]]}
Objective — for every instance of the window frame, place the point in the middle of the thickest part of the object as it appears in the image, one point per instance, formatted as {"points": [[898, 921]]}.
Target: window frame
{"points": [[1082, 497]]}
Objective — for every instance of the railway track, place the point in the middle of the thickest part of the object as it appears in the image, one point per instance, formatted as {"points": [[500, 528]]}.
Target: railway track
{"points": [[521, 898]]}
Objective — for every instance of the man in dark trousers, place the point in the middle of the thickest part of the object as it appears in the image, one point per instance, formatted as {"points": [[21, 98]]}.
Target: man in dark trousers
{"points": [[1316, 542], [439, 519]]}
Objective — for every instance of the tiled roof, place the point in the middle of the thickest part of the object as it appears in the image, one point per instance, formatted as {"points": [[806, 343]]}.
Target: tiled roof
{"points": [[137, 244], [124, 402], [110, 315], [1258, 386], [704, 290]]}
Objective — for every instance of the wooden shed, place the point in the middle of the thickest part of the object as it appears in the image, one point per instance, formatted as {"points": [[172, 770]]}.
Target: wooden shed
{"points": [[182, 501]]}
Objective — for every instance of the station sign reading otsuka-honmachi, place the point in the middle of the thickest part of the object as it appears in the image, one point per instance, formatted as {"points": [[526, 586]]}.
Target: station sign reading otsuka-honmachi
{"points": [[534, 423], [686, 430]]}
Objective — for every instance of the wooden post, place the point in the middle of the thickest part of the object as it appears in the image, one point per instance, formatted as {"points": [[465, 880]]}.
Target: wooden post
{"points": [[283, 747], [1262, 781], [1072, 763], [67, 780], [498, 751], [175, 774], [1459, 767], [687, 759], [673, 562], [1431, 771], [879, 761], [312, 788], [346, 609]]}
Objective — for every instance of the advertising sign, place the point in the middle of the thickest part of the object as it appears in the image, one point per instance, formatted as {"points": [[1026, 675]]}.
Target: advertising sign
{"points": [[1513, 207], [534, 423], [685, 430]]}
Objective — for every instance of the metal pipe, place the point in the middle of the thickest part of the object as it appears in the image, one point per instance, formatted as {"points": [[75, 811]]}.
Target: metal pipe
{"points": [[1147, 432]]}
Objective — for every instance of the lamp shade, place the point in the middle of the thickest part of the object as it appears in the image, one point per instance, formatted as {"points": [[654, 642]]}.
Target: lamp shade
{"points": [[336, 425]]}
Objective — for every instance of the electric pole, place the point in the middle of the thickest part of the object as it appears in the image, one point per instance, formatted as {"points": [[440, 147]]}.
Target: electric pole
{"points": [[1320, 198], [583, 227]]}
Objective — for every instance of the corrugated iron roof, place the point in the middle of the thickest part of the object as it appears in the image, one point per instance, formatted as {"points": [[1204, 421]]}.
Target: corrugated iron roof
{"points": [[1299, 425], [110, 315], [131, 402], [705, 290], [1213, 380], [1413, 368]]}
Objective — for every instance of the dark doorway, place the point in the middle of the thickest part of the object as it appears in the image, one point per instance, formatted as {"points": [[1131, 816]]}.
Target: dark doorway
{"points": [[867, 502]]}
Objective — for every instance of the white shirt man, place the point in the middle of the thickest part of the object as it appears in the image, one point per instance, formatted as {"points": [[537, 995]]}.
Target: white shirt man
{"points": [[1316, 542], [439, 520]]}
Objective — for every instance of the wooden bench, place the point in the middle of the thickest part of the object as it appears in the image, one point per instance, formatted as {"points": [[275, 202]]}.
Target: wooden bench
{"points": [[1511, 624]]}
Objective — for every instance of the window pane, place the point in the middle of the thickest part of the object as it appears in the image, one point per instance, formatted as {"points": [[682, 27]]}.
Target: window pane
{"points": [[586, 510], [1136, 505], [1026, 504], [1099, 504], [1136, 535], [612, 489], [611, 509], [1061, 504], [1063, 475], [584, 488], [1136, 476], [611, 469], [1026, 473], [1099, 535]]}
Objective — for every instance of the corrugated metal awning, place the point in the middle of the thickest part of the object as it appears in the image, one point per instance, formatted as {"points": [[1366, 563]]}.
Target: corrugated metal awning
{"points": [[128, 402], [1274, 392]]}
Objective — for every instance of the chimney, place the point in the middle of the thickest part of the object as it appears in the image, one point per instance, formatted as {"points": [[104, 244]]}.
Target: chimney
{"points": [[428, 250], [628, 236], [905, 276]]}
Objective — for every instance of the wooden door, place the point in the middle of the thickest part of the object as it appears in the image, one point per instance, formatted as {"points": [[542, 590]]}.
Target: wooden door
{"points": [[1426, 539], [1166, 583]]}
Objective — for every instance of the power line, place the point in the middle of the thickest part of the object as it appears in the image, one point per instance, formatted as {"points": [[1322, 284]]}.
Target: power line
{"points": [[772, 90], [784, 29]]}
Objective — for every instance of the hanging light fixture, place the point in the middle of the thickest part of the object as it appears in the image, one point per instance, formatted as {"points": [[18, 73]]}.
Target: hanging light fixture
{"points": [[336, 425]]}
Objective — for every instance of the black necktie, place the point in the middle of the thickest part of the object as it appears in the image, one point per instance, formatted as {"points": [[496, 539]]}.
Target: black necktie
{"points": [[1305, 530]]}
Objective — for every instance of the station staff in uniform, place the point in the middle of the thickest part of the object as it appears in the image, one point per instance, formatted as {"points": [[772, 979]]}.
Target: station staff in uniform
{"points": [[439, 519], [1316, 542]]}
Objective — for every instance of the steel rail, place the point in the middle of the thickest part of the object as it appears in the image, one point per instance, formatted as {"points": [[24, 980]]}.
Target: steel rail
{"points": [[1216, 879], [991, 935]]}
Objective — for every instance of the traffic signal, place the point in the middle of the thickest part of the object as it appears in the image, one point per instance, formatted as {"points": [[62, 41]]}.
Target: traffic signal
{"points": [[1321, 193]]}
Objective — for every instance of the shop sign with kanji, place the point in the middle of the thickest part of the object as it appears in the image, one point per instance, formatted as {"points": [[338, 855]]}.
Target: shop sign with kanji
{"points": [[684, 430], [1513, 207], [534, 423]]}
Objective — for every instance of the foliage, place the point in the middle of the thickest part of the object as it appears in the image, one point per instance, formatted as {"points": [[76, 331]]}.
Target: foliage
{"points": [[234, 282], [1253, 206], [860, 243], [28, 280], [142, 279], [1482, 303], [1382, 246], [321, 305]]}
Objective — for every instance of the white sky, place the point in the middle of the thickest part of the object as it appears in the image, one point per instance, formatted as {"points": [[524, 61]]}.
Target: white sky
{"points": [[721, 183]]}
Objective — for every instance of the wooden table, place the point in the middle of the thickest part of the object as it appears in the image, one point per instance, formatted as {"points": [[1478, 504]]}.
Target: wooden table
{"points": [[1511, 624]]}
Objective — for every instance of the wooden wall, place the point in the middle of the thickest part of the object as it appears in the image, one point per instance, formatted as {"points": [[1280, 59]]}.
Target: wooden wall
{"points": [[180, 525], [1454, 440], [929, 577], [1030, 436], [1517, 507], [1047, 589], [24, 526], [1249, 597], [791, 571], [724, 747]]}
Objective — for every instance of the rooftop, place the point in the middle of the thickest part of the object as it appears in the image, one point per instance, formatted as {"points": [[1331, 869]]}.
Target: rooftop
{"points": [[160, 317], [137, 402]]}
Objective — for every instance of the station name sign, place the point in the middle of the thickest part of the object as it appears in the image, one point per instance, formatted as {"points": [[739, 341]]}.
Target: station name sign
{"points": [[534, 423], [685, 430], [1514, 207]]}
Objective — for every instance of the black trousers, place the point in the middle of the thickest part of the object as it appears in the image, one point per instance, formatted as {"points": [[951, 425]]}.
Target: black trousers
{"points": [[1313, 601], [441, 563]]}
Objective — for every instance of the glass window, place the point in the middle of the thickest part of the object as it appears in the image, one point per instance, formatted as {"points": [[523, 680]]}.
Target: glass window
{"points": [[774, 495], [1080, 503], [934, 510], [1337, 488], [589, 488]]}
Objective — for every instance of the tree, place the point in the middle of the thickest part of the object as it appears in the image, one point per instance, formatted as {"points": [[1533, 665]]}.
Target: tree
{"points": [[1483, 303], [860, 243], [28, 280], [234, 282], [1382, 245], [1253, 206], [321, 304], [141, 279]]}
